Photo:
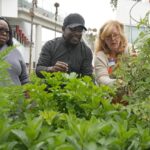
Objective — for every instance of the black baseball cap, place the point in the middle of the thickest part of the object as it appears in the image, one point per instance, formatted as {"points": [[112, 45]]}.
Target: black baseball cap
{"points": [[74, 20]]}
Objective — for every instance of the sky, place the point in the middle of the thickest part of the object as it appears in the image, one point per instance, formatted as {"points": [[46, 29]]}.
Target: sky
{"points": [[95, 12]]}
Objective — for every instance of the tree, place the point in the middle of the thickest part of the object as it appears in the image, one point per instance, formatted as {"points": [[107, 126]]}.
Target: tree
{"points": [[114, 3]]}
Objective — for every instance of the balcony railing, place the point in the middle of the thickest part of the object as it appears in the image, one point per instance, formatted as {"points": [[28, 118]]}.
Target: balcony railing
{"points": [[27, 5]]}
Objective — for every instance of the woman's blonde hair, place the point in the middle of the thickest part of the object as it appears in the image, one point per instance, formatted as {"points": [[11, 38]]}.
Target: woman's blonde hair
{"points": [[104, 31]]}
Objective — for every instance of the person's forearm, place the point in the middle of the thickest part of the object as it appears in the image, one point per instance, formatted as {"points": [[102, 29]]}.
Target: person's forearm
{"points": [[106, 80], [50, 69], [39, 69]]}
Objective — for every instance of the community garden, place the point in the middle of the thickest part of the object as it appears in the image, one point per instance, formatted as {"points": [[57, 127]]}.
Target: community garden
{"points": [[63, 112]]}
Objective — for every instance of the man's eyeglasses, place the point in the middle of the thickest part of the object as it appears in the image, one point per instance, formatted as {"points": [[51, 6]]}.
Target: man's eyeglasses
{"points": [[112, 36], [76, 29]]}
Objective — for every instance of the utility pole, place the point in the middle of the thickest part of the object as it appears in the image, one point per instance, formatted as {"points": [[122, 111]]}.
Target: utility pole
{"points": [[34, 4], [56, 15]]}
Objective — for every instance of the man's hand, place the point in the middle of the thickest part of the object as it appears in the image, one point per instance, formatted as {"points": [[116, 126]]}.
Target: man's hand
{"points": [[59, 66]]}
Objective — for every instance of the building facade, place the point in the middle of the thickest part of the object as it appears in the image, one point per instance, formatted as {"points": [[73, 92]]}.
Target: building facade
{"points": [[130, 12], [27, 29]]}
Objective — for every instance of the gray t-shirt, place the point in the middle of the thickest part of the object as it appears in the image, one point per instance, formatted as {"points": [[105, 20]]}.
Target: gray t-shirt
{"points": [[17, 70]]}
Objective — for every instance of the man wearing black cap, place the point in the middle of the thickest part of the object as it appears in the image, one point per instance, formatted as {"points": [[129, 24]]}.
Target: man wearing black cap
{"points": [[67, 53]]}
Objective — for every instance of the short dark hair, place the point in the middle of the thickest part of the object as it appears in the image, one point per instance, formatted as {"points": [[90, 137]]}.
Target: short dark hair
{"points": [[10, 41]]}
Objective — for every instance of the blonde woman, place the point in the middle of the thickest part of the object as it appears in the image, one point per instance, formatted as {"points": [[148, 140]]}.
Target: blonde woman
{"points": [[111, 42]]}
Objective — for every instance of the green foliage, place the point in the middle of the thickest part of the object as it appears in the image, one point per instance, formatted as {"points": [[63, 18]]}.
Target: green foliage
{"points": [[7, 88], [64, 112], [4, 77], [135, 71], [114, 4], [70, 96], [145, 21]]}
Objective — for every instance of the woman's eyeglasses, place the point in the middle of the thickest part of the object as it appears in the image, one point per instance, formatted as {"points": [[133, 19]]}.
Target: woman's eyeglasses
{"points": [[4, 31], [112, 36]]}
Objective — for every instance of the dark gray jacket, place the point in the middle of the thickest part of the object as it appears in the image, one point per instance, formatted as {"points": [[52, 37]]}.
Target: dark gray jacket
{"points": [[79, 58]]}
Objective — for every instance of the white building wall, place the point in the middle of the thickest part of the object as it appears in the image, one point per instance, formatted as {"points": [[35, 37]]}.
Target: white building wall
{"points": [[26, 27], [9, 8], [0, 7], [138, 12]]}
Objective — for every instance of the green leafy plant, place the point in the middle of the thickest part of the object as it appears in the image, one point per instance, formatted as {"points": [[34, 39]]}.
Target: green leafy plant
{"points": [[63, 112]]}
